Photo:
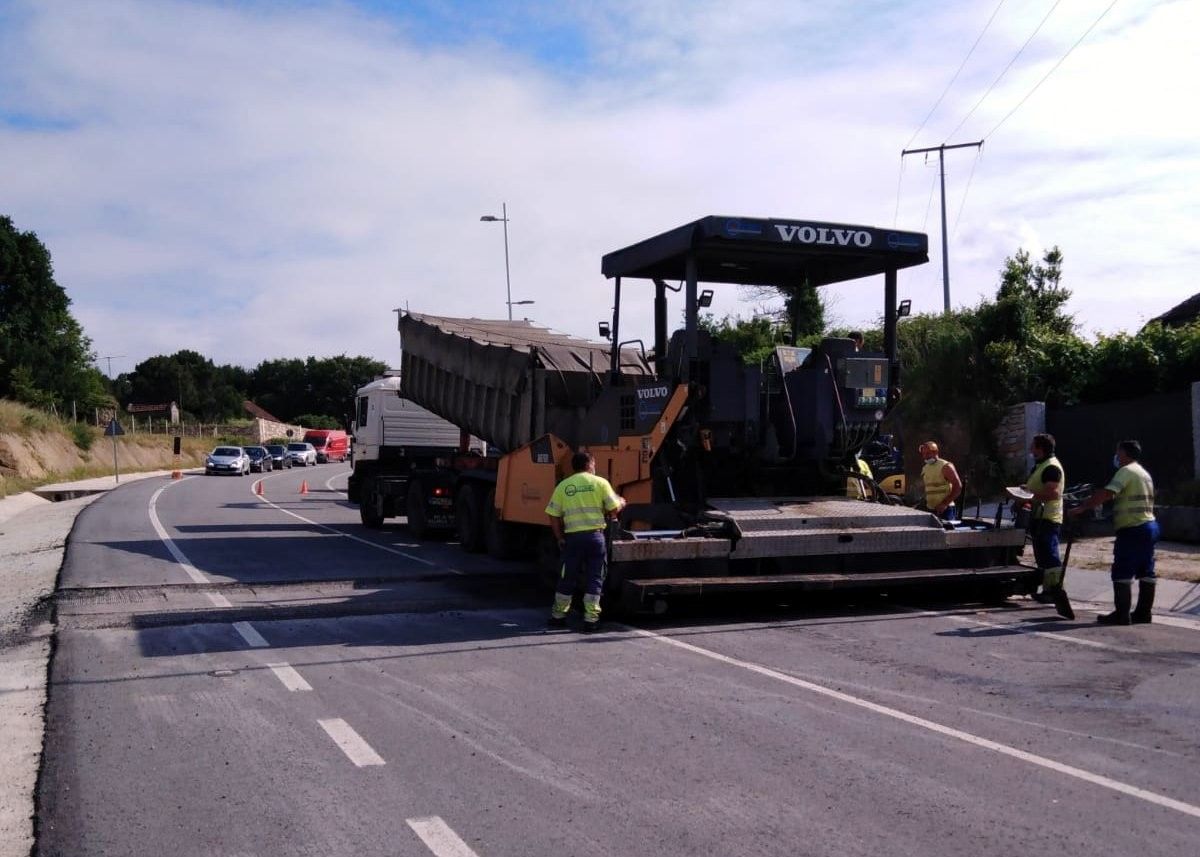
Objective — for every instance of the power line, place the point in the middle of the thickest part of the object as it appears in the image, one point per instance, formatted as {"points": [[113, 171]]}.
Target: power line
{"points": [[961, 66], [1000, 77], [963, 203], [1053, 69]]}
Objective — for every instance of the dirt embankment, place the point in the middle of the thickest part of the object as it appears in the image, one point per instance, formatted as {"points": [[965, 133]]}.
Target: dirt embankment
{"points": [[43, 456]]}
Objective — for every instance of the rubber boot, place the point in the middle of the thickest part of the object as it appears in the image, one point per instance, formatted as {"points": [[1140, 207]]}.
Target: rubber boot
{"points": [[1141, 614], [1122, 596]]}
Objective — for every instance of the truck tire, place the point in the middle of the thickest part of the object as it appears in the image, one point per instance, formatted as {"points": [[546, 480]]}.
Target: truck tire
{"points": [[370, 507], [418, 523], [468, 519], [503, 539]]}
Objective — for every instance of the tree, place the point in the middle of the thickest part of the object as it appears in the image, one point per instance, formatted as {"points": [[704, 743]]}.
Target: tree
{"points": [[45, 359]]}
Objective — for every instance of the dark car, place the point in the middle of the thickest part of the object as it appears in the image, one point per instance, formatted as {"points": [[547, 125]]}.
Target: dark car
{"points": [[260, 459], [279, 456]]}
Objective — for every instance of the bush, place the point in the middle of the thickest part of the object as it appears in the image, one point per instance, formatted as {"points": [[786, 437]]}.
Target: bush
{"points": [[82, 434]]}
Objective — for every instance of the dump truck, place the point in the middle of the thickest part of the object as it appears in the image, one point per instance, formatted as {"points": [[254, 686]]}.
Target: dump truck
{"points": [[734, 475]]}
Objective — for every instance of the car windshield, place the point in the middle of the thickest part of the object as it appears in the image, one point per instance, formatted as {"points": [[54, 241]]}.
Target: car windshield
{"points": [[231, 451], [297, 447], [255, 451], [276, 449]]}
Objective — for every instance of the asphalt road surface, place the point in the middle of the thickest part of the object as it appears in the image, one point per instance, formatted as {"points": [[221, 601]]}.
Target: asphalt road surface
{"points": [[245, 675]]}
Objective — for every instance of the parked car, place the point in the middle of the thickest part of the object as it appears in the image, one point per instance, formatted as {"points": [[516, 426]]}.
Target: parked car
{"points": [[260, 459], [330, 444], [303, 454], [227, 459], [279, 456]]}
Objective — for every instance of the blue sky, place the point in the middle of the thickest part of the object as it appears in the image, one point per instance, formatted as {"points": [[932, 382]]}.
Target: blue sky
{"points": [[269, 179]]}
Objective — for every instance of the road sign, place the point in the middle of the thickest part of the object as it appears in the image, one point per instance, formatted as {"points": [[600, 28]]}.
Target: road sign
{"points": [[113, 429]]}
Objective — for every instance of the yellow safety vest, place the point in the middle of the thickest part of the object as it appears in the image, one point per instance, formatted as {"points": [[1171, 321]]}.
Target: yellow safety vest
{"points": [[1133, 490], [937, 488], [1050, 510], [581, 501]]}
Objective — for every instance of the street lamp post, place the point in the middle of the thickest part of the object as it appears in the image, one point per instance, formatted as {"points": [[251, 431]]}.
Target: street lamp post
{"points": [[503, 218]]}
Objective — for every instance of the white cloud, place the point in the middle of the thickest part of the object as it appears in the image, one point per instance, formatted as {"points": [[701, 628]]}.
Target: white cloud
{"points": [[264, 182]]}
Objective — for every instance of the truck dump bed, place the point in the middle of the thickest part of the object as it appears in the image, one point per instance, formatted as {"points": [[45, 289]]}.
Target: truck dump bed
{"points": [[507, 382]]}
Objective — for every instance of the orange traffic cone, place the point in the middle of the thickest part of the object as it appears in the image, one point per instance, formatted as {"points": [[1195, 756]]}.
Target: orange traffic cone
{"points": [[304, 487], [258, 488]]}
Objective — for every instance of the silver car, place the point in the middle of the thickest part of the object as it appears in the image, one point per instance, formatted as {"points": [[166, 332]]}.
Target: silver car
{"points": [[227, 459], [303, 454]]}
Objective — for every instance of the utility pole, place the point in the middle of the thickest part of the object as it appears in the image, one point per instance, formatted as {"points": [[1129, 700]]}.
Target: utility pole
{"points": [[110, 359], [941, 150]]}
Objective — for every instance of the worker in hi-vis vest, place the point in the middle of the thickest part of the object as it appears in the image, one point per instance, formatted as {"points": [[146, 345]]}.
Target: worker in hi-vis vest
{"points": [[942, 485], [1132, 491], [1045, 483], [579, 510]]}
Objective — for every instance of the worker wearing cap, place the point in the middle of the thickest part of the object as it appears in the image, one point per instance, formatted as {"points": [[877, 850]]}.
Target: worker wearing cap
{"points": [[1045, 526], [942, 484], [1132, 491], [578, 510]]}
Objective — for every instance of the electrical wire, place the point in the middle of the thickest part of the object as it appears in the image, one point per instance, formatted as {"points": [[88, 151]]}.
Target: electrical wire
{"points": [[929, 204], [1000, 77], [961, 66], [1053, 69], [966, 190]]}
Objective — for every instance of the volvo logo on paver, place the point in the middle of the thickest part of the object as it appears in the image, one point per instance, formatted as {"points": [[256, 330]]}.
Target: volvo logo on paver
{"points": [[654, 392], [823, 235]]}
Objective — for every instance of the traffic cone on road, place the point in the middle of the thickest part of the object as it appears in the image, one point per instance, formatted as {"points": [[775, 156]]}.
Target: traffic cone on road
{"points": [[304, 487], [258, 489]]}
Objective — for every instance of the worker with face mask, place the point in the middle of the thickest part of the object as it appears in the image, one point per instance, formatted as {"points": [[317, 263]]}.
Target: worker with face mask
{"points": [[1045, 484], [1132, 491], [942, 484]]}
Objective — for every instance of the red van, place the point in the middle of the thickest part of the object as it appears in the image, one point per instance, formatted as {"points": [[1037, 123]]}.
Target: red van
{"points": [[330, 444]]}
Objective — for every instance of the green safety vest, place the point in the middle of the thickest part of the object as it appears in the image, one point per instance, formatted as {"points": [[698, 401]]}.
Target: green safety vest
{"points": [[581, 501], [1133, 491], [1049, 510], [937, 488]]}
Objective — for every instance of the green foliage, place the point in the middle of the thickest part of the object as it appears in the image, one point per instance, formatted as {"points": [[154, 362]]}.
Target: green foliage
{"points": [[806, 310], [318, 421], [45, 360], [754, 338], [83, 435]]}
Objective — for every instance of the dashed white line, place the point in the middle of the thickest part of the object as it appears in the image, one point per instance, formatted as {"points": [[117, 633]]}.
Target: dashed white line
{"points": [[985, 743], [329, 482], [250, 635], [439, 837], [351, 743], [291, 679]]}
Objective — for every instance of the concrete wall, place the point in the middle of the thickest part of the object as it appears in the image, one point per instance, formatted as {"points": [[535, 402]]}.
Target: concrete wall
{"points": [[1013, 436]]}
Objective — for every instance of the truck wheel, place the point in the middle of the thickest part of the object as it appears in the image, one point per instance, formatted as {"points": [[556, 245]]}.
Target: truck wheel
{"points": [[370, 507], [503, 539], [468, 520], [418, 523]]}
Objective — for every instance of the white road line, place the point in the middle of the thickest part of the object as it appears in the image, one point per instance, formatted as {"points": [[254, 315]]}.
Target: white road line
{"points": [[251, 636], [329, 482], [987, 744], [356, 749], [262, 499], [1024, 629], [439, 837], [197, 576], [291, 679], [173, 549]]}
